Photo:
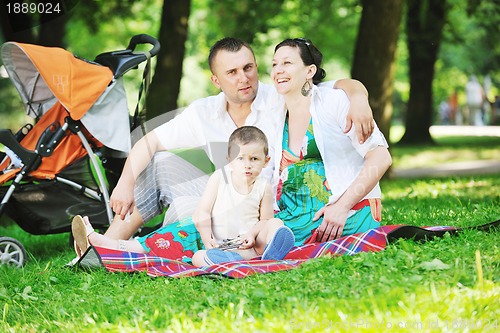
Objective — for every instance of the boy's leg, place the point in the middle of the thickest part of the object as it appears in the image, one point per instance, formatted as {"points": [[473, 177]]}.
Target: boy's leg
{"points": [[266, 234], [215, 256], [199, 258], [279, 240]]}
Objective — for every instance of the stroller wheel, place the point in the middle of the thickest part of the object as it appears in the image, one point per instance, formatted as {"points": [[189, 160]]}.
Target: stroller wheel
{"points": [[12, 252]]}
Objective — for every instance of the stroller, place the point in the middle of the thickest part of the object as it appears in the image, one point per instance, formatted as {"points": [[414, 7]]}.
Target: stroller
{"points": [[70, 159]]}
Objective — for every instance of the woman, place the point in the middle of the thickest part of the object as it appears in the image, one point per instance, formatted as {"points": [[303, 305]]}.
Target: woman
{"points": [[326, 181]]}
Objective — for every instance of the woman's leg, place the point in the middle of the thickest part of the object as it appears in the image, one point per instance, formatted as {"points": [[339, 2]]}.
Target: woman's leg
{"points": [[361, 221], [124, 229], [175, 241]]}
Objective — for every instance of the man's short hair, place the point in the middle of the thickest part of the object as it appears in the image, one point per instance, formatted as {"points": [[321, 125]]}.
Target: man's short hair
{"points": [[245, 135], [229, 44]]}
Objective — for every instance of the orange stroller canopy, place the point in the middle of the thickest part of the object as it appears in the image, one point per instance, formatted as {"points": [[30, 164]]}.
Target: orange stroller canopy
{"points": [[77, 84], [53, 83], [87, 90]]}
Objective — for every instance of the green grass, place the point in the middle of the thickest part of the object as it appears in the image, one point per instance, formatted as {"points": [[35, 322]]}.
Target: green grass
{"points": [[450, 284]]}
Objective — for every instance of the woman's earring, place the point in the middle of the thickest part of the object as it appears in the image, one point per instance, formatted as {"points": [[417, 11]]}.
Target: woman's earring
{"points": [[306, 88]]}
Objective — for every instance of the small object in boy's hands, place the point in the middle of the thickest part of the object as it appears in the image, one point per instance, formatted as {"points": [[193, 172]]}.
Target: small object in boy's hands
{"points": [[228, 244]]}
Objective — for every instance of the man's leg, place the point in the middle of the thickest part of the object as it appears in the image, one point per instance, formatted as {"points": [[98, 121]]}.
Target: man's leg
{"points": [[166, 180], [84, 233], [124, 229]]}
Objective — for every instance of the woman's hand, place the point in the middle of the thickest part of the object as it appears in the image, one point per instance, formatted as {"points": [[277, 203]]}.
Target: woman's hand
{"points": [[334, 219]]}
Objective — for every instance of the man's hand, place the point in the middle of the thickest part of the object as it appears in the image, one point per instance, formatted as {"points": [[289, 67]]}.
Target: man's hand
{"points": [[334, 219], [122, 201], [361, 116]]}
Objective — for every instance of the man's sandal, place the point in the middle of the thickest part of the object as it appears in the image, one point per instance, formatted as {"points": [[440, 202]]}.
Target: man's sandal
{"points": [[81, 232]]}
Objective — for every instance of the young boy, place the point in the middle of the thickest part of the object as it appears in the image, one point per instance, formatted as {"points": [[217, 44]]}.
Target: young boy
{"points": [[237, 203], [236, 206]]}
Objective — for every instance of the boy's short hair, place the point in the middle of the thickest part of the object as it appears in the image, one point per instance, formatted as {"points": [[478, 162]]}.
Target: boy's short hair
{"points": [[245, 135], [229, 44]]}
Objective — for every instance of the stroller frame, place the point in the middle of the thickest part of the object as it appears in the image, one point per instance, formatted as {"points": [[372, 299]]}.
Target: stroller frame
{"points": [[29, 160], [32, 159]]}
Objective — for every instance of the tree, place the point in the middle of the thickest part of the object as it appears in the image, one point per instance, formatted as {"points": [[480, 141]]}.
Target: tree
{"points": [[374, 55], [168, 72], [424, 28], [19, 23], [244, 19]]}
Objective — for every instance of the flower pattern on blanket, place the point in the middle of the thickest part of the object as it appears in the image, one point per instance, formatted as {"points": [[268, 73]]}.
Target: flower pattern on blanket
{"points": [[166, 244]]}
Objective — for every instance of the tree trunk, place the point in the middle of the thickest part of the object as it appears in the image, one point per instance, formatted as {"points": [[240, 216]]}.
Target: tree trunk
{"points": [[165, 85], [52, 30], [15, 27], [45, 29], [424, 27], [374, 55]]}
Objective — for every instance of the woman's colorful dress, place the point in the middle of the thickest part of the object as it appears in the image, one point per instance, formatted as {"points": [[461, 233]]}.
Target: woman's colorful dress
{"points": [[303, 190]]}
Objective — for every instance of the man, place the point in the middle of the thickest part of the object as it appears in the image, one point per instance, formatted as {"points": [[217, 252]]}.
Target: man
{"points": [[206, 123]]}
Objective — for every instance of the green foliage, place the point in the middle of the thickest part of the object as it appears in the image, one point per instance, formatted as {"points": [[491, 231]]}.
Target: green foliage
{"points": [[469, 47], [244, 19], [11, 107], [469, 44], [264, 25]]}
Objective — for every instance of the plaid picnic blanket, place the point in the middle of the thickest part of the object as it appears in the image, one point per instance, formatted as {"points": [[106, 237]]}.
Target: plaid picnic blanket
{"points": [[373, 240]]}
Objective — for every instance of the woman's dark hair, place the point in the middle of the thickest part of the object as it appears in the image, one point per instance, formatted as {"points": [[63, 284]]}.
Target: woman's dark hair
{"points": [[308, 53]]}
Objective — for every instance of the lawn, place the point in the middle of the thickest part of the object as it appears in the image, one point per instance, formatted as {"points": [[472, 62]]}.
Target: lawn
{"points": [[449, 284]]}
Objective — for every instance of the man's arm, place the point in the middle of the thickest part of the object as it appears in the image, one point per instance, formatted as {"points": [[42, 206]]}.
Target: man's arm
{"points": [[360, 113], [122, 198], [176, 133]]}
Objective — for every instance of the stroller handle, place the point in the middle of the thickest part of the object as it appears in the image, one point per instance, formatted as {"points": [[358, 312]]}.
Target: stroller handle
{"points": [[122, 61], [144, 39]]}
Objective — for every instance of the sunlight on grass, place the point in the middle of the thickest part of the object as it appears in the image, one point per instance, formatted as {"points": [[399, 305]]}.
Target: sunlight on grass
{"points": [[415, 158], [426, 309], [397, 132], [448, 149]]}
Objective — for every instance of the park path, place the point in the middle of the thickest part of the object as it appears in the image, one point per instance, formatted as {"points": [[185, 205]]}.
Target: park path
{"points": [[457, 168]]}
